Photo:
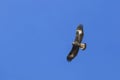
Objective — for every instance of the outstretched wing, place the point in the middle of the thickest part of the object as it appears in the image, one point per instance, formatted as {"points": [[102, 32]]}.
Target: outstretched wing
{"points": [[73, 53], [79, 34]]}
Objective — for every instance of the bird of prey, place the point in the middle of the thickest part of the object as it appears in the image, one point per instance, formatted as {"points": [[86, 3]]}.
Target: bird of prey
{"points": [[77, 43]]}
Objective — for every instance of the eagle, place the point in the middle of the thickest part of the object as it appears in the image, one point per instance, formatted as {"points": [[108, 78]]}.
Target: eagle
{"points": [[76, 45]]}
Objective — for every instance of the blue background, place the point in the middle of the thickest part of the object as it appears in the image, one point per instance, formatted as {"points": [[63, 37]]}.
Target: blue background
{"points": [[37, 35]]}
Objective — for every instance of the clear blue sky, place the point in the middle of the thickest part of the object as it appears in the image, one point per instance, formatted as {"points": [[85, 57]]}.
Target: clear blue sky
{"points": [[36, 36]]}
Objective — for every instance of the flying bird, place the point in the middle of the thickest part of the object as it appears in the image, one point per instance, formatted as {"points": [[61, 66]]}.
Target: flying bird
{"points": [[77, 43]]}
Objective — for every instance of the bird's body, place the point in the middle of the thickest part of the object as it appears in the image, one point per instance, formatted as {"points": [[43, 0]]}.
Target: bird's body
{"points": [[77, 43]]}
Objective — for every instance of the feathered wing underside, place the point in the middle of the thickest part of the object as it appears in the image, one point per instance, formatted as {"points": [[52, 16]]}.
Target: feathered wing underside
{"points": [[79, 34], [73, 53]]}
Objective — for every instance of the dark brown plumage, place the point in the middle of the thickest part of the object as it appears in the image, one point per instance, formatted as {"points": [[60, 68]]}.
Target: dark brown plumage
{"points": [[77, 43]]}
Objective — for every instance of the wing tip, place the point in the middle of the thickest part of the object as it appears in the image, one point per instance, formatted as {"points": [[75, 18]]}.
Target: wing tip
{"points": [[69, 59], [80, 26]]}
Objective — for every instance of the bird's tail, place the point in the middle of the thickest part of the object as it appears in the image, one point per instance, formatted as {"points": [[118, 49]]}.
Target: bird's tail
{"points": [[82, 46]]}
